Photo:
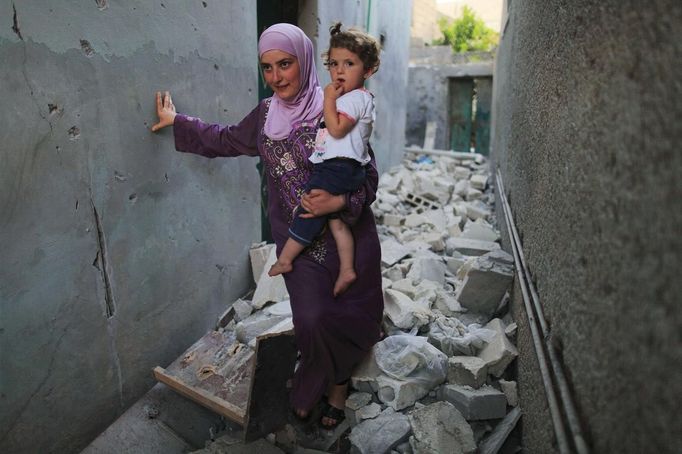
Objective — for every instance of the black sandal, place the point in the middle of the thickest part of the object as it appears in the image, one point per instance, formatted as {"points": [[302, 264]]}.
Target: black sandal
{"points": [[331, 412]]}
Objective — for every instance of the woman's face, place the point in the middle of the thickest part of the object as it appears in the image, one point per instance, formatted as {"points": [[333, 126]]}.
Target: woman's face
{"points": [[282, 73]]}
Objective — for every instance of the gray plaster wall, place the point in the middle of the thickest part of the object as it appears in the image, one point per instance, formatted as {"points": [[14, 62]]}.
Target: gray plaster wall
{"points": [[429, 98], [390, 18], [586, 135], [117, 252]]}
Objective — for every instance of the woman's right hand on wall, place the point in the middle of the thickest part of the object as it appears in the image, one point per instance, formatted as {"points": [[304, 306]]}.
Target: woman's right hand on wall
{"points": [[165, 110]]}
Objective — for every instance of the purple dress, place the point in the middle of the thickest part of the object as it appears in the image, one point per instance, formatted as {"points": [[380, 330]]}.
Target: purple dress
{"points": [[332, 334]]}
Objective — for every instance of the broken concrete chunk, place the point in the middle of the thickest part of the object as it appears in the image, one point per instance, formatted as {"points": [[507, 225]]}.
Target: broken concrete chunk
{"points": [[509, 390], [358, 415], [466, 246], [461, 173], [440, 428], [394, 273], [259, 253], [510, 330], [476, 209], [282, 308], [452, 337], [392, 251], [364, 376], [499, 352], [403, 312], [416, 220], [425, 290], [486, 282], [381, 434], [479, 181], [392, 219], [434, 240], [255, 325], [242, 309], [358, 400], [269, 289], [446, 303], [467, 371], [399, 394], [462, 188], [480, 230], [428, 268], [476, 404]]}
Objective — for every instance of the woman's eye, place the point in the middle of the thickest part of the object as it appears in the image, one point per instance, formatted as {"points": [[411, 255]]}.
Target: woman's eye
{"points": [[285, 64]]}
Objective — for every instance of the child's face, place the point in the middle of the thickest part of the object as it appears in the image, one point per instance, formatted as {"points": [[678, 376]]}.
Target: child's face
{"points": [[346, 69]]}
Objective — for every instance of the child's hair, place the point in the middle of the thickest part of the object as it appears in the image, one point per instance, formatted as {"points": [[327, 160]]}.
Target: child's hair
{"points": [[356, 41]]}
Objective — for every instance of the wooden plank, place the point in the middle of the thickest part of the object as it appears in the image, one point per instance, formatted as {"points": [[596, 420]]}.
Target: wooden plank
{"points": [[201, 396], [461, 96], [484, 94], [219, 366], [268, 406]]}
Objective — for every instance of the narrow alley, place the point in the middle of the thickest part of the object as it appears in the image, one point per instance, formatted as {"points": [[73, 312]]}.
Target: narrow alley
{"points": [[528, 211]]}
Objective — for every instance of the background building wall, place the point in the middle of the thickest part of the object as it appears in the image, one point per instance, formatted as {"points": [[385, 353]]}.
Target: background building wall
{"points": [[117, 251], [587, 137]]}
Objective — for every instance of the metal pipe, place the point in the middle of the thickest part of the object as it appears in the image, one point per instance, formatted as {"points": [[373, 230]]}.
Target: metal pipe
{"points": [[568, 405], [554, 411], [557, 369], [446, 153]]}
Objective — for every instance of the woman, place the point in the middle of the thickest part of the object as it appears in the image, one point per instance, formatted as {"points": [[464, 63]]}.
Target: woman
{"points": [[333, 334]]}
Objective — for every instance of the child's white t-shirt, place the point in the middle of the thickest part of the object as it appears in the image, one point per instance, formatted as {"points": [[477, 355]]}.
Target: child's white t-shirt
{"points": [[358, 106]]}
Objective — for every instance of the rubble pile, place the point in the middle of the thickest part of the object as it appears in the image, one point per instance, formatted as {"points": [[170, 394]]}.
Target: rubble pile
{"points": [[436, 382]]}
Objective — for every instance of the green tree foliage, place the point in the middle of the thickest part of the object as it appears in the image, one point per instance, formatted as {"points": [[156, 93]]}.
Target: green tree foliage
{"points": [[468, 33]]}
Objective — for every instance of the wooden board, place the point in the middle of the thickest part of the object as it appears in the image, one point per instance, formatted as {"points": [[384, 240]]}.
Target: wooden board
{"points": [[216, 372], [246, 386]]}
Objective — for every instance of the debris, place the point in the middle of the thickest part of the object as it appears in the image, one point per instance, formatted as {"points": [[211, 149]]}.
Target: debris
{"points": [[499, 352], [381, 434], [475, 404], [440, 428], [467, 371], [269, 289], [509, 390], [496, 439], [403, 312], [486, 282], [259, 253]]}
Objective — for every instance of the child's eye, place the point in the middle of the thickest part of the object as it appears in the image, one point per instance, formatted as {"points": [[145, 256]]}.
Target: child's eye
{"points": [[333, 64], [349, 64]]}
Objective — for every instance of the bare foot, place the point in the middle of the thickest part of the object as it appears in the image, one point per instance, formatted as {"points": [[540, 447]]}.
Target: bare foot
{"points": [[337, 398], [345, 279], [280, 268]]}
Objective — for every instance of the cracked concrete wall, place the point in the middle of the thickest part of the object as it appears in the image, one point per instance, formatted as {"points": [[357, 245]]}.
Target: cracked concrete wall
{"points": [[586, 135], [118, 252]]}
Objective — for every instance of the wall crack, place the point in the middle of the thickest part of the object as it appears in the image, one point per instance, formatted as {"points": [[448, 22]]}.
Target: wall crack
{"points": [[102, 257], [15, 26]]}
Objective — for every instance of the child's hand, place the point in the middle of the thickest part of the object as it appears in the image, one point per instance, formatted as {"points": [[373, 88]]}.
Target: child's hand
{"points": [[165, 110], [333, 91]]}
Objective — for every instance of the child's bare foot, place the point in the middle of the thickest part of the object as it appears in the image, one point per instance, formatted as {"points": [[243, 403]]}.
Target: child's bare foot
{"points": [[345, 279], [280, 268]]}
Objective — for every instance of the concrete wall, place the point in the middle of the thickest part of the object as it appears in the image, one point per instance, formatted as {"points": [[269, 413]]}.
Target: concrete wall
{"points": [[587, 137], [117, 252], [429, 100], [390, 18]]}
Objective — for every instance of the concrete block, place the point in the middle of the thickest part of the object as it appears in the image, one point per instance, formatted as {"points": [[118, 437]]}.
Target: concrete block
{"points": [[479, 181], [399, 394], [436, 218], [480, 230], [447, 303], [485, 283], [259, 253], [434, 240], [357, 400], [461, 173], [476, 404], [242, 309], [416, 220], [499, 352], [476, 209], [394, 273], [381, 434], [462, 188], [428, 268], [392, 219], [269, 289], [403, 312], [510, 391], [467, 371], [424, 290], [466, 246], [440, 428], [369, 411], [454, 262], [392, 252], [365, 374]]}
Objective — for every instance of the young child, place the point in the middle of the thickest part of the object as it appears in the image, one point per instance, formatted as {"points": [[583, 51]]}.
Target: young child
{"points": [[340, 147]]}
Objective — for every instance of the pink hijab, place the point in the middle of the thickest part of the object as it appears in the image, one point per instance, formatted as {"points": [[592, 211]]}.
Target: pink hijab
{"points": [[307, 105]]}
